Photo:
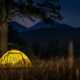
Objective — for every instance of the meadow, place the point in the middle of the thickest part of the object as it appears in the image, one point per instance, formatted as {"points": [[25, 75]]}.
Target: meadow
{"points": [[57, 68], [49, 69]]}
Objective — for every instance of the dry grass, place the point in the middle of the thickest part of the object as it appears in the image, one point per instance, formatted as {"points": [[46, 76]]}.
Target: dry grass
{"points": [[51, 69]]}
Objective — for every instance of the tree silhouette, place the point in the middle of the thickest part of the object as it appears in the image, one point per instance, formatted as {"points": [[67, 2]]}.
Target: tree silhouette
{"points": [[14, 41], [36, 48], [48, 10]]}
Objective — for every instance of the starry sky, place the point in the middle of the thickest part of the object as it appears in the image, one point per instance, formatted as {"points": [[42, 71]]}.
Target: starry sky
{"points": [[71, 12]]}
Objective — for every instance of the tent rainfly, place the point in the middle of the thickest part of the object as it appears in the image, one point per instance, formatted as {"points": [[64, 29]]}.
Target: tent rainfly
{"points": [[15, 58]]}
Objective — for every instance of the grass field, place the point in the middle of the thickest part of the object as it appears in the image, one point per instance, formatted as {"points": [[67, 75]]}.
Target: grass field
{"points": [[58, 68], [50, 69]]}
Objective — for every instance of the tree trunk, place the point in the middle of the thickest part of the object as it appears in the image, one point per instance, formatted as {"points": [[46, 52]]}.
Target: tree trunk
{"points": [[3, 39], [3, 30]]}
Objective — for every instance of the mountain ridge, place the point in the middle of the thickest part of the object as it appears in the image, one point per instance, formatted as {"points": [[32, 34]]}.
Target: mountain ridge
{"points": [[17, 26], [41, 25], [54, 25]]}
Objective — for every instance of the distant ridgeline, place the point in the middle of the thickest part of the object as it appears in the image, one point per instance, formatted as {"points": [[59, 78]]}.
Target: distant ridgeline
{"points": [[44, 39]]}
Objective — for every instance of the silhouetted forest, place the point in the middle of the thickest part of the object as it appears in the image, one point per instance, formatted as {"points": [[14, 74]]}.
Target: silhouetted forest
{"points": [[52, 48]]}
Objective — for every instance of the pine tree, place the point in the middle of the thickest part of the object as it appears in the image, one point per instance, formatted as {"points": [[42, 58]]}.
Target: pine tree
{"points": [[48, 10]]}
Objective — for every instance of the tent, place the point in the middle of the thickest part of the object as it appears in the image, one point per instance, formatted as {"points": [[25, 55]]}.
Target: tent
{"points": [[15, 58]]}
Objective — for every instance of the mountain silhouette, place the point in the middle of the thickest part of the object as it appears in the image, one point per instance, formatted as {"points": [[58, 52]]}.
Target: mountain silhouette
{"points": [[41, 25], [43, 33], [54, 25], [17, 26]]}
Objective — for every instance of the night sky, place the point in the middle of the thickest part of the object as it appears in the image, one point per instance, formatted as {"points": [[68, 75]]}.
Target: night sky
{"points": [[71, 12]]}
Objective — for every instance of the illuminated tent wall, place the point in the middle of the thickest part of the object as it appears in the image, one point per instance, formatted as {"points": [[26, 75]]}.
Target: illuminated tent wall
{"points": [[15, 58]]}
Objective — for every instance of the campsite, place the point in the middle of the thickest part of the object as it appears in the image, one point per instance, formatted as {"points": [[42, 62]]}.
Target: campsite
{"points": [[39, 39]]}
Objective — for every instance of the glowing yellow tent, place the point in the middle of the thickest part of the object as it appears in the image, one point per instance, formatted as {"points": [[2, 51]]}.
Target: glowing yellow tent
{"points": [[15, 58]]}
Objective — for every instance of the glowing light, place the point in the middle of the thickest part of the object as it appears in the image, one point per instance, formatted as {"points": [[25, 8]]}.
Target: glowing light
{"points": [[15, 58]]}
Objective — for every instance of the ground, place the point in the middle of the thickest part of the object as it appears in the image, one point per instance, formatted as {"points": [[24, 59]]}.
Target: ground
{"points": [[49, 69]]}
